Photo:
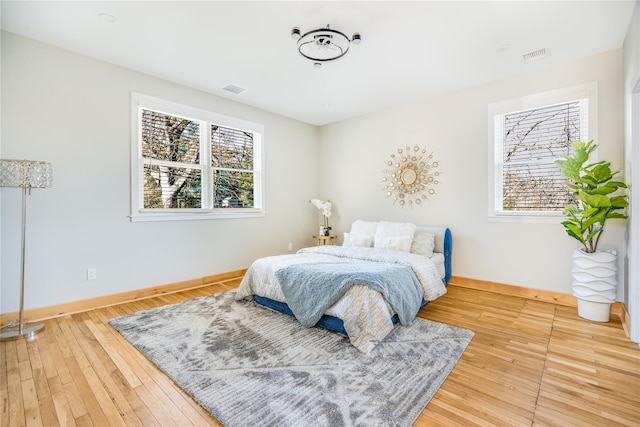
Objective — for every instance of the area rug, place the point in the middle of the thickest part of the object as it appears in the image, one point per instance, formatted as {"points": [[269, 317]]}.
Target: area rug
{"points": [[250, 366]]}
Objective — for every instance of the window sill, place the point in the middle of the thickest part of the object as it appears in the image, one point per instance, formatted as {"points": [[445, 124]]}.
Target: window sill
{"points": [[194, 216], [527, 218]]}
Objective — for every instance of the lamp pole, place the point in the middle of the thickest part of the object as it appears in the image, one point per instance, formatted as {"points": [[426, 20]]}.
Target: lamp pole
{"points": [[25, 174]]}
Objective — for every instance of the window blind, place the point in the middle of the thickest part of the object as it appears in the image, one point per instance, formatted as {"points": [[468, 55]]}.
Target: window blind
{"points": [[532, 140]]}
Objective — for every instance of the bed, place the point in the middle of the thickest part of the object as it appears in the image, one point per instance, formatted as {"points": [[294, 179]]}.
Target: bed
{"points": [[366, 271]]}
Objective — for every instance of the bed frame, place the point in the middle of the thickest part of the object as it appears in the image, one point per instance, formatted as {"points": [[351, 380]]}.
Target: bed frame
{"points": [[443, 244]]}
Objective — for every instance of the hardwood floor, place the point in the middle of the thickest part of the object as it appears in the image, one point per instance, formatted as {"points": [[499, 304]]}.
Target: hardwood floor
{"points": [[529, 363]]}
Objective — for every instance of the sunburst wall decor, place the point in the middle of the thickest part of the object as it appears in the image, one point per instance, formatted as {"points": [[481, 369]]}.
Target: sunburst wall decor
{"points": [[411, 176]]}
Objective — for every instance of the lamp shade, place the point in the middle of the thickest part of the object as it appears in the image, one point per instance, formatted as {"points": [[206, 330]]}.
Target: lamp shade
{"points": [[25, 174]]}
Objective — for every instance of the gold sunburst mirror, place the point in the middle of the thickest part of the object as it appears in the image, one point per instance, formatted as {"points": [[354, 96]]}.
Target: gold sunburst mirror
{"points": [[410, 176]]}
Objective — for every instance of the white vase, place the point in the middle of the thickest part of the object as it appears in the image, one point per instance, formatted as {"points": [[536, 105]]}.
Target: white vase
{"points": [[594, 283]]}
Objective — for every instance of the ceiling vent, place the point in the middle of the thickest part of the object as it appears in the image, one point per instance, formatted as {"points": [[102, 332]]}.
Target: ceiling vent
{"points": [[234, 88], [536, 54]]}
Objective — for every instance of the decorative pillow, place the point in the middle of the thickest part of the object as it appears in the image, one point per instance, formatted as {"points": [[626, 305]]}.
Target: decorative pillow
{"points": [[423, 243], [351, 239], [394, 235], [362, 233], [393, 243]]}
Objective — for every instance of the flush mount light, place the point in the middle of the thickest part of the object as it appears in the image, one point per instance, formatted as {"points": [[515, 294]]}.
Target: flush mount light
{"points": [[323, 44]]}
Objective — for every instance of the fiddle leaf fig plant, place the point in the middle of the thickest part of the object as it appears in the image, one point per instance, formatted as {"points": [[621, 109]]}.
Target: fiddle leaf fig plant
{"points": [[593, 187]]}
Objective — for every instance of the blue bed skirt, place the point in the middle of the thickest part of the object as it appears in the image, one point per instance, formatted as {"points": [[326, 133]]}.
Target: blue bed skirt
{"points": [[327, 322], [330, 323]]}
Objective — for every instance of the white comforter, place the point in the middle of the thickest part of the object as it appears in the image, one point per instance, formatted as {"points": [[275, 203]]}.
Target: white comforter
{"points": [[364, 312]]}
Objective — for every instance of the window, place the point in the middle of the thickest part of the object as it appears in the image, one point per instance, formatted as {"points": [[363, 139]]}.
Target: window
{"points": [[528, 136], [188, 163]]}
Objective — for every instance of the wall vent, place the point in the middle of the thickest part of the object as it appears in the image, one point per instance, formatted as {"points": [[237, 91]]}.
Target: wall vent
{"points": [[234, 88], [536, 54]]}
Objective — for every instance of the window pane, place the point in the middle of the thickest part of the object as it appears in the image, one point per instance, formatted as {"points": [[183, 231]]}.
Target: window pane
{"points": [[172, 187], [188, 163], [534, 187], [171, 138], [233, 189], [541, 133], [231, 148], [532, 141]]}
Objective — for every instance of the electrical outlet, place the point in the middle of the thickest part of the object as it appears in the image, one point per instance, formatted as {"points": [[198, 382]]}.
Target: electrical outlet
{"points": [[91, 274], [290, 247]]}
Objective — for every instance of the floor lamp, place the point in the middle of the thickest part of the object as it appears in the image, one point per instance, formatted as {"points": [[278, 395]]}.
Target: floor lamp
{"points": [[25, 174]]}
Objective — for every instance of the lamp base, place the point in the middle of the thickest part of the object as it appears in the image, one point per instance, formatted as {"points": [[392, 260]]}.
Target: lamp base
{"points": [[27, 332]]}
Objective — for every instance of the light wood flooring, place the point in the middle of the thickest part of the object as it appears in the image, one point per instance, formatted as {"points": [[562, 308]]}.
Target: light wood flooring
{"points": [[529, 363]]}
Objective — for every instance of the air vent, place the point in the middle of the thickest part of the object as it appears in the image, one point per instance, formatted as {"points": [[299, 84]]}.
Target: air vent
{"points": [[536, 54], [234, 88]]}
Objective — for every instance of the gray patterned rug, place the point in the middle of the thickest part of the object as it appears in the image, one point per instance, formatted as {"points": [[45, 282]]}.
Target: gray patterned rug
{"points": [[249, 366]]}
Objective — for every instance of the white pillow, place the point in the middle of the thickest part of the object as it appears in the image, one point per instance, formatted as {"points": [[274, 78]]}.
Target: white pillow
{"points": [[393, 243], [351, 239], [423, 243], [362, 233], [366, 228], [394, 235]]}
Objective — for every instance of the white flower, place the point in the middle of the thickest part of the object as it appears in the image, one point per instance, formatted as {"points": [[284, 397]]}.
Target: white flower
{"points": [[322, 205]]}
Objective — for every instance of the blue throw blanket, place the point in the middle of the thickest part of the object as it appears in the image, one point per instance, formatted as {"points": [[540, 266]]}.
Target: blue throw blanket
{"points": [[313, 287]]}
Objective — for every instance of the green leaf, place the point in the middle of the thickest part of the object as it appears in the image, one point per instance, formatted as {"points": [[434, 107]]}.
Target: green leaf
{"points": [[578, 145], [591, 221], [578, 237], [604, 190], [574, 187], [573, 230], [572, 212], [588, 180], [592, 165], [580, 156], [569, 168], [617, 184], [601, 216], [590, 212], [592, 234], [619, 201], [595, 200], [616, 215], [602, 172]]}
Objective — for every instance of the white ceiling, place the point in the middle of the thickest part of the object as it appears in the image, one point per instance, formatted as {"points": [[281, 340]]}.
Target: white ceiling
{"points": [[409, 50]]}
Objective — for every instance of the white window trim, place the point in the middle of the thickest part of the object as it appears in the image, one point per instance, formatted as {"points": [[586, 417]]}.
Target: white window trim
{"points": [[587, 91], [137, 214]]}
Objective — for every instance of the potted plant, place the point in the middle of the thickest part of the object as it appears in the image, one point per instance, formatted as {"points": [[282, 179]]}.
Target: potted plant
{"points": [[323, 206], [597, 200]]}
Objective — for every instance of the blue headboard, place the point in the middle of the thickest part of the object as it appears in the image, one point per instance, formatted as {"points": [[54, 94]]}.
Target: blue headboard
{"points": [[448, 248]]}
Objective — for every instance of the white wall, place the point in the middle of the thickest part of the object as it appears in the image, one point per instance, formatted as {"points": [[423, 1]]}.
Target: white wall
{"points": [[74, 112], [454, 127], [631, 89]]}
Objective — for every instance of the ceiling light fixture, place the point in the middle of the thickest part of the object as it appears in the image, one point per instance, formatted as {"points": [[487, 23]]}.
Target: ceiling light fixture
{"points": [[323, 44]]}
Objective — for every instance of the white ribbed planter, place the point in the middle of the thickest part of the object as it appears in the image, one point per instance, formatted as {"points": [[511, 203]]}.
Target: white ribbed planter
{"points": [[594, 283]]}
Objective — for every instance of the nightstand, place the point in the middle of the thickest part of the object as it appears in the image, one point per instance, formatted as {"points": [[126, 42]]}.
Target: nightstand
{"points": [[325, 239]]}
